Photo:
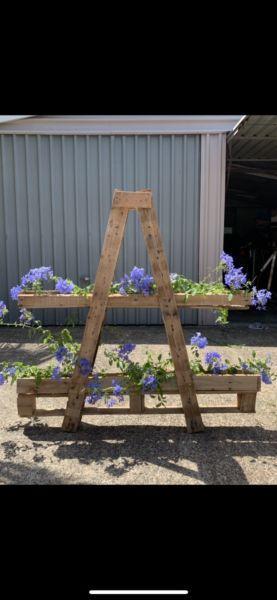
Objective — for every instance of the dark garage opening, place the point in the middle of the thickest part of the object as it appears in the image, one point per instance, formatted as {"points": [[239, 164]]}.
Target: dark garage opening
{"points": [[250, 232]]}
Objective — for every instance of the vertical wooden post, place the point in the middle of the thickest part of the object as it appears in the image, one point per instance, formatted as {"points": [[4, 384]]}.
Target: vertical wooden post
{"points": [[136, 403], [26, 405], [247, 402]]}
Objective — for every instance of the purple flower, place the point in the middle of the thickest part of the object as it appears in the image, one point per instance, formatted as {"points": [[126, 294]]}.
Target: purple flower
{"points": [[56, 373], [212, 357], [219, 368], [95, 395], [199, 340], [85, 366], [95, 385], [227, 260], [17, 289], [265, 377], [2, 379], [122, 291], [40, 273], [136, 274], [118, 391], [260, 298], [235, 278], [11, 371], [149, 383], [61, 353], [64, 286], [138, 281], [25, 316], [124, 351], [2, 308], [111, 402], [125, 283], [173, 277], [142, 283]]}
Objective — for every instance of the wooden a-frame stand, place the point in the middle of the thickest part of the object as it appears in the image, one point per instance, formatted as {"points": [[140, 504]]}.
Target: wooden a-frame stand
{"points": [[142, 202]]}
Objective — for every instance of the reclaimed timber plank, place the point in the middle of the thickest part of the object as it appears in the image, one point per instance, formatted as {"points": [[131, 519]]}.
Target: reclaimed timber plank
{"points": [[132, 200], [247, 402], [26, 405], [209, 301], [171, 319], [111, 246], [204, 384], [56, 412]]}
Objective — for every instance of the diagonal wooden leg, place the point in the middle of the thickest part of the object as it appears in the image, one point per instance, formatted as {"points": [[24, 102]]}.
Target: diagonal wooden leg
{"points": [[171, 319], [103, 280]]}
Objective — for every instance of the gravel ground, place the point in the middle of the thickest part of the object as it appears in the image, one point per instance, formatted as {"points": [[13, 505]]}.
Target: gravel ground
{"points": [[153, 449]]}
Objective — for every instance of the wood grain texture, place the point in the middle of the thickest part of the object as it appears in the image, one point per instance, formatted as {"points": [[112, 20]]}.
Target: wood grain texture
{"points": [[26, 405], [132, 200], [209, 301], [247, 402], [173, 410], [171, 319], [95, 317], [204, 384]]}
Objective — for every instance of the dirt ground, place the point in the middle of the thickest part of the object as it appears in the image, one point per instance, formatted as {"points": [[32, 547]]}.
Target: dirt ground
{"points": [[235, 448]]}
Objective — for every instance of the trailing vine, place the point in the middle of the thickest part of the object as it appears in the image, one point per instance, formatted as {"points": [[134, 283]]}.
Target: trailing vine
{"points": [[146, 378]]}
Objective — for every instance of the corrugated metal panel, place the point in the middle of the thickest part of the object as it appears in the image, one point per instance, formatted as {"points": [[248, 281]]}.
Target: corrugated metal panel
{"points": [[255, 138], [55, 197]]}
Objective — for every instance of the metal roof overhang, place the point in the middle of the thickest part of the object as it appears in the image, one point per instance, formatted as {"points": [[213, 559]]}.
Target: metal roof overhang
{"points": [[252, 158]]}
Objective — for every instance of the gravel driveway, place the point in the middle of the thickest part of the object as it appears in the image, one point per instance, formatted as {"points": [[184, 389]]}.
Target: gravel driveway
{"points": [[153, 449]]}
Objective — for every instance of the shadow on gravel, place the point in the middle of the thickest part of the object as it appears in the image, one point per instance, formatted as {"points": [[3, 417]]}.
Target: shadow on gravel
{"points": [[17, 474], [213, 453]]}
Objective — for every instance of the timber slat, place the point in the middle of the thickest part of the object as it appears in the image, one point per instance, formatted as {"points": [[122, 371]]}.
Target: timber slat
{"points": [[59, 412], [103, 280], [204, 384], [54, 300]]}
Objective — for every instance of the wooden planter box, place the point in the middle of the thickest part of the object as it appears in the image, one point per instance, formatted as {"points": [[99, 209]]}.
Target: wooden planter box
{"points": [[244, 386], [52, 299]]}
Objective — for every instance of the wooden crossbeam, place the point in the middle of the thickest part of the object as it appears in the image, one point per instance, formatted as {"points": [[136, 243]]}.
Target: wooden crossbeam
{"points": [[141, 201], [52, 299], [244, 386], [204, 384]]}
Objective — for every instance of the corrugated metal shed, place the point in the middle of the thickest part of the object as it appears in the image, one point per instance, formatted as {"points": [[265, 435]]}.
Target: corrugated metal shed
{"points": [[55, 196], [254, 138]]}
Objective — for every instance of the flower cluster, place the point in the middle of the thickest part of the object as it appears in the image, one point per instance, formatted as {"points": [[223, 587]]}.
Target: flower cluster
{"points": [[260, 298], [96, 392], [32, 279], [216, 365], [38, 274], [227, 261], [214, 362], [124, 351], [64, 286], [137, 282], [149, 384], [61, 353], [199, 340], [56, 374], [85, 366], [234, 278]]}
